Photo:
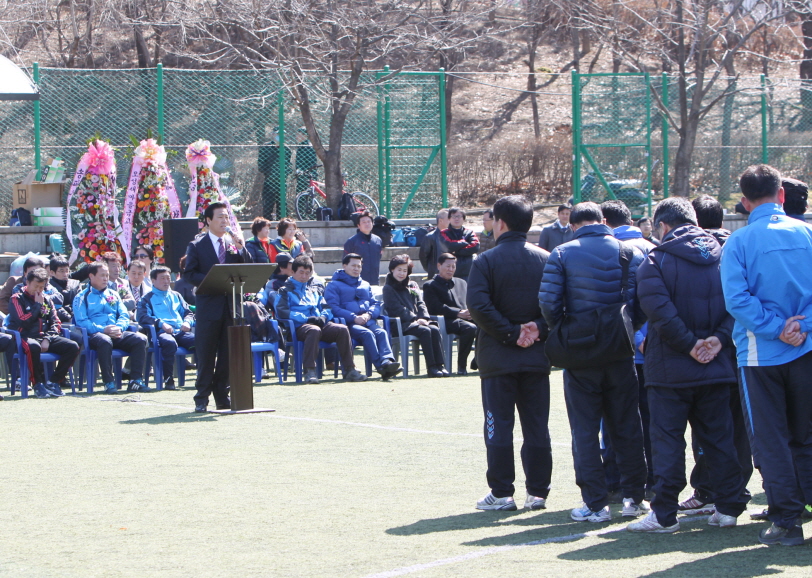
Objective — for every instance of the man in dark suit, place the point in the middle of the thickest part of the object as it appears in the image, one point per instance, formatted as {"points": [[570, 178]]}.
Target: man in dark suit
{"points": [[212, 312]]}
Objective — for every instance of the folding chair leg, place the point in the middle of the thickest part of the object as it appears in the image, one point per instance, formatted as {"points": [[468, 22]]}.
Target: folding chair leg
{"points": [[416, 356]]}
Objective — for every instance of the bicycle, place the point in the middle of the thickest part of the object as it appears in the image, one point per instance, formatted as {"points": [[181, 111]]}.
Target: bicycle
{"points": [[314, 197]]}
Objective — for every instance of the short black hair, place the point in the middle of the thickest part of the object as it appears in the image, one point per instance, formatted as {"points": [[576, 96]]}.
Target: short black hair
{"points": [[488, 212], [674, 211], [564, 207], [158, 270], [514, 211], [759, 182], [208, 214], [796, 194], [40, 274], [35, 261], [146, 249], [445, 257], [398, 260], [363, 214], [58, 261], [137, 263], [709, 212], [642, 220], [586, 211], [349, 257], [93, 268], [453, 210], [302, 262], [616, 213]]}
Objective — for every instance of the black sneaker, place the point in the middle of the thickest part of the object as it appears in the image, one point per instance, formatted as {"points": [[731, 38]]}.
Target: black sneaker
{"points": [[785, 536], [169, 384], [760, 515]]}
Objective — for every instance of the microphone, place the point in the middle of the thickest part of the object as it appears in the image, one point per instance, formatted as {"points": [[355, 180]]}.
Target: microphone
{"points": [[234, 238]]}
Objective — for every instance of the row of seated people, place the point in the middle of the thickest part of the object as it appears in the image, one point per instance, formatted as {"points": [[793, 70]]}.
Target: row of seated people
{"points": [[108, 305], [37, 312], [295, 293]]}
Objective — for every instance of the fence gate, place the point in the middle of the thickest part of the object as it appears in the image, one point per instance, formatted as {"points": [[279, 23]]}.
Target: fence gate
{"points": [[611, 138]]}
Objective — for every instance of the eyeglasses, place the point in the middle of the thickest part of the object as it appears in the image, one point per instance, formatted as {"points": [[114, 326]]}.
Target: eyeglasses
{"points": [[142, 256]]}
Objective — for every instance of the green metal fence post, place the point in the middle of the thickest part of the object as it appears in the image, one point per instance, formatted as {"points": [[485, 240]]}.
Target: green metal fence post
{"points": [[443, 174], [387, 142], [381, 196], [664, 98], [576, 138], [160, 90], [283, 184], [765, 157], [648, 140], [37, 135]]}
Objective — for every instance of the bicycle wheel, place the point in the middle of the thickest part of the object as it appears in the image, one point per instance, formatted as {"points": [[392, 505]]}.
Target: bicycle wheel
{"points": [[306, 205], [363, 202]]}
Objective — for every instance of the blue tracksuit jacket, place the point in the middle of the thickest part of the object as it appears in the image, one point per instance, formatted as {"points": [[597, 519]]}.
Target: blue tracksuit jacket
{"points": [[767, 278]]}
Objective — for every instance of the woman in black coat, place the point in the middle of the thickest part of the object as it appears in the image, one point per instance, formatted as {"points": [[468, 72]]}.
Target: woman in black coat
{"points": [[401, 299]]}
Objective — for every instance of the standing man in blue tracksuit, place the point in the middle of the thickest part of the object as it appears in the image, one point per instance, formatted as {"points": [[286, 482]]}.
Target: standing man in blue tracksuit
{"points": [[767, 291]]}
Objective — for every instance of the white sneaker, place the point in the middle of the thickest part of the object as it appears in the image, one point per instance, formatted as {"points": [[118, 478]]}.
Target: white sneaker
{"points": [[535, 503], [722, 520], [651, 525], [694, 506], [584, 514], [491, 502], [632, 509]]}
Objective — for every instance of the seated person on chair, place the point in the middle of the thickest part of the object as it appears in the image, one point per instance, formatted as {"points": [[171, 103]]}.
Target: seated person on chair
{"points": [[401, 299], [33, 314], [445, 296], [65, 288], [7, 290], [302, 302], [168, 313], [98, 309], [350, 297], [136, 282], [113, 261], [278, 278]]}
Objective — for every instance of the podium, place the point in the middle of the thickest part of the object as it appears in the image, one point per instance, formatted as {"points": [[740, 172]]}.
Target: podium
{"points": [[237, 279]]}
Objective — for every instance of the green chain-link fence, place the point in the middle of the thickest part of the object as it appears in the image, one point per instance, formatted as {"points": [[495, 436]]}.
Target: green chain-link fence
{"points": [[390, 134], [618, 125]]}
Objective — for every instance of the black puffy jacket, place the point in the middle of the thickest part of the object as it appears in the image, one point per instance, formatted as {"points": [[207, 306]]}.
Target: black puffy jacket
{"points": [[502, 292], [679, 286], [584, 274]]}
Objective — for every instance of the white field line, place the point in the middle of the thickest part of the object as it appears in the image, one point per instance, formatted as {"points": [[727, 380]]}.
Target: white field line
{"points": [[332, 421], [497, 549]]}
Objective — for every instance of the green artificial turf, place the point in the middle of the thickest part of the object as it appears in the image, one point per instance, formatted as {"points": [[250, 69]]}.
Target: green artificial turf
{"points": [[344, 479]]}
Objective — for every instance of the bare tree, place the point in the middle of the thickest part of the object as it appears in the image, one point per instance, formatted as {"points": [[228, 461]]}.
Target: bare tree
{"points": [[696, 39], [323, 49]]}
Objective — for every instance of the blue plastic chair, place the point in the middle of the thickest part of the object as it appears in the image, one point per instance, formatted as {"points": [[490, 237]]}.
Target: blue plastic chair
{"points": [[21, 360], [157, 359], [298, 354], [258, 350], [90, 362]]}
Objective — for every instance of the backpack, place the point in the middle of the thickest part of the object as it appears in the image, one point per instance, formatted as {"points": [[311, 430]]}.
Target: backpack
{"points": [[383, 228], [21, 218], [414, 236], [324, 214], [346, 207]]}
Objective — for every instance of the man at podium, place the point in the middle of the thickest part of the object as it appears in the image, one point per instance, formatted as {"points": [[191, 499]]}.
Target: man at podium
{"points": [[212, 311]]}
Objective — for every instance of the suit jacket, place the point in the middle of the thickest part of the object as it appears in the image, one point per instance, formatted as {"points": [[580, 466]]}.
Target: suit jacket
{"points": [[200, 258]]}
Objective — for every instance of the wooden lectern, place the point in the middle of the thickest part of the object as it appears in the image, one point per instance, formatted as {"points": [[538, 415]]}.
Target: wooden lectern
{"points": [[237, 279]]}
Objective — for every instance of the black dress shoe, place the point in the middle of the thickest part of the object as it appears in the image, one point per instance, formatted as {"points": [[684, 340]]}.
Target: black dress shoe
{"points": [[201, 408], [462, 371], [435, 372], [226, 406], [444, 371]]}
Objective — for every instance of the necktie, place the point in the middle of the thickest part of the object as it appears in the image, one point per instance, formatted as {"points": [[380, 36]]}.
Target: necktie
{"points": [[221, 253]]}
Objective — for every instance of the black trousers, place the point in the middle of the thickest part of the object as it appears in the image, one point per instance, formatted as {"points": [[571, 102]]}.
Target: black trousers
{"points": [[502, 396], [211, 346], [66, 349], [700, 475], [466, 334], [135, 344], [431, 340], [608, 454], [778, 403], [705, 408], [608, 393]]}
